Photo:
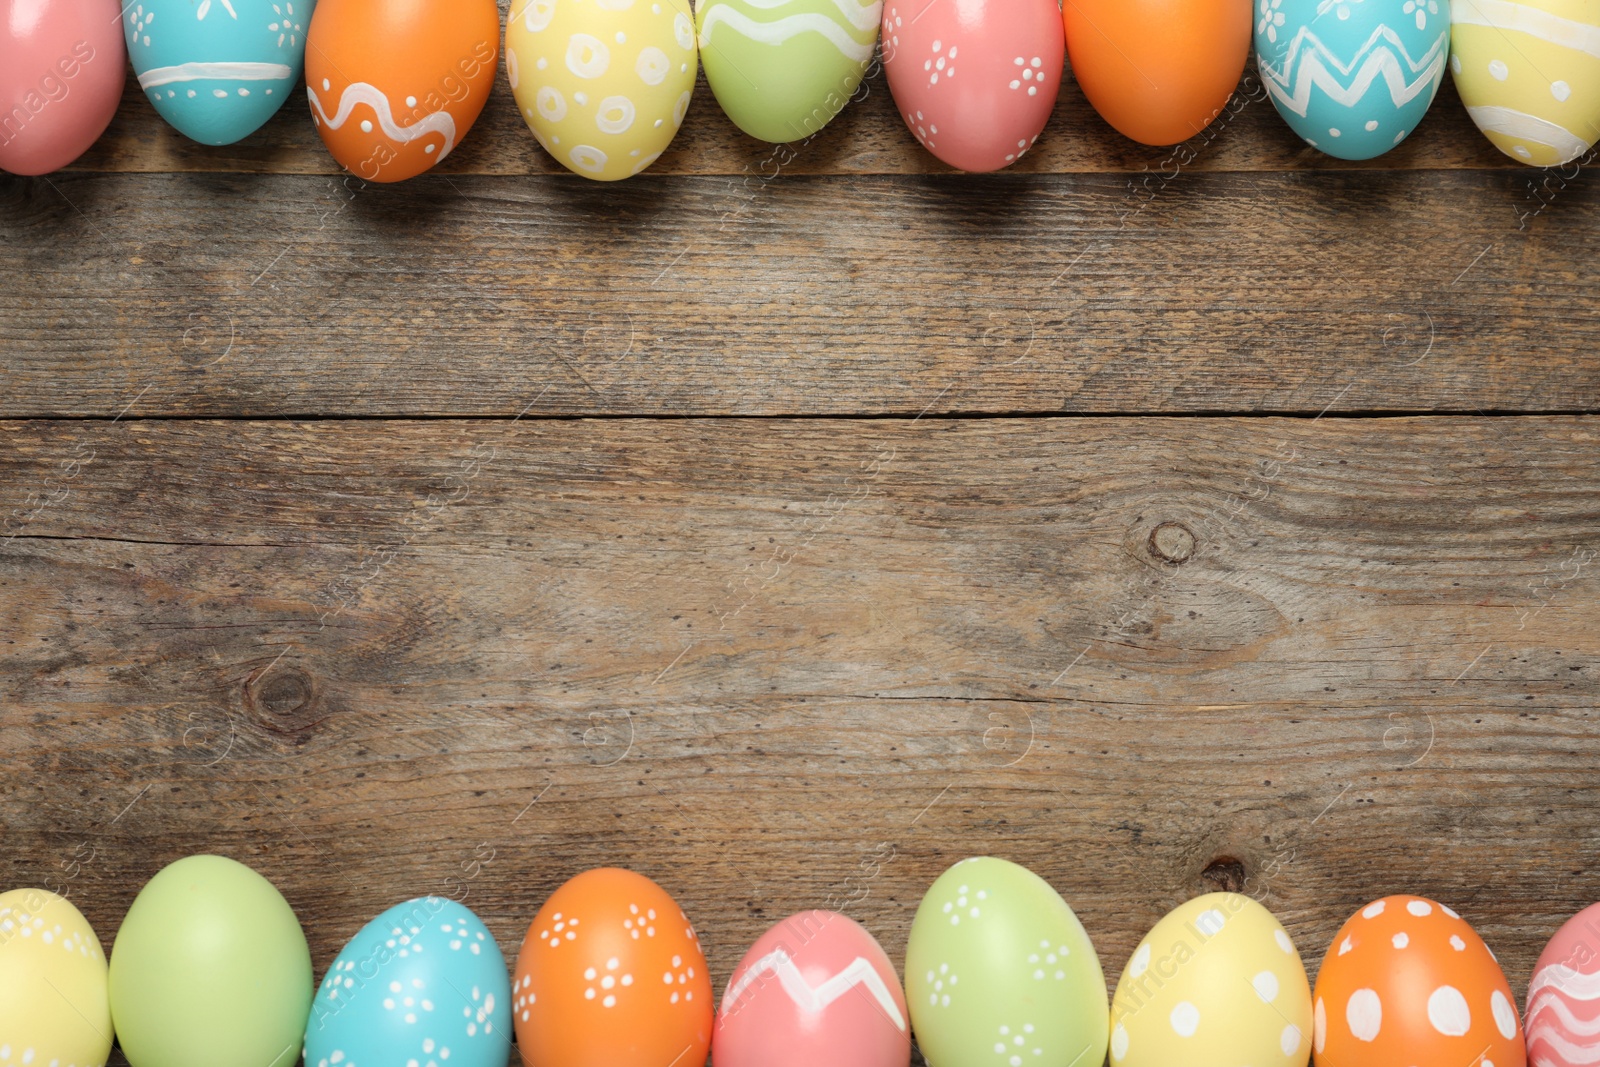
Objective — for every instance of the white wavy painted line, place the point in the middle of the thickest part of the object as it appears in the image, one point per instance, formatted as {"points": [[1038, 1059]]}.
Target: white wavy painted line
{"points": [[1566, 1054], [1552, 1003], [862, 16], [777, 962], [1525, 127], [1379, 57], [1507, 15], [776, 33], [361, 93], [189, 72], [1571, 983]]}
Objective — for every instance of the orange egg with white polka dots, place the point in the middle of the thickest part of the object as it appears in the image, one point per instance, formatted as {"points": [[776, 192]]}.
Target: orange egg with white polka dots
{"points": [[1407, 983], [611, 975]]}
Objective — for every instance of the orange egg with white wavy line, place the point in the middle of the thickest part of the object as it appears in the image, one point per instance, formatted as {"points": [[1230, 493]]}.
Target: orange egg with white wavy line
{"points": [[395, 85]]}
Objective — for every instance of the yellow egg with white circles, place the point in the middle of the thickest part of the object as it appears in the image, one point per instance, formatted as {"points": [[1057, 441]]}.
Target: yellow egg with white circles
{"points": [[55, 1007], [1216, 983], [1529, 73], [603, 84]]}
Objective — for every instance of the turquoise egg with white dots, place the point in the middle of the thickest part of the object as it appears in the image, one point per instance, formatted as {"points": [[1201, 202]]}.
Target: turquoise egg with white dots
{"points": [[422, 985], [217, 70], [1352, 77]]}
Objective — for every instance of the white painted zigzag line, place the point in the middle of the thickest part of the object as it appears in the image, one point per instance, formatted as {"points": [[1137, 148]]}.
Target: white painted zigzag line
{"points": [[777, 962], [1551, 1003], [361, 93], [1382, 38], [1566, 1053], [1505, 15], [1513, 123], [1565, 980], [862, 16], [777, 32], [1381, 61], [188, 72]]}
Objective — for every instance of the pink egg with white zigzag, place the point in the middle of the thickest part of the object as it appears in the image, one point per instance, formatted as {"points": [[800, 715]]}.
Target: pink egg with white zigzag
{"points": [[816, 988], [1563, 1017]]}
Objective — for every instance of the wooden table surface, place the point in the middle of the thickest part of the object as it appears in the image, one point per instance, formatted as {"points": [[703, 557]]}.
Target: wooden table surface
{"points": [[787, 524]]}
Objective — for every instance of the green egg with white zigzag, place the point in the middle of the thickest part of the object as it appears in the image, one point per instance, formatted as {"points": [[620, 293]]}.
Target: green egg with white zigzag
{"points": [[782, 69]]}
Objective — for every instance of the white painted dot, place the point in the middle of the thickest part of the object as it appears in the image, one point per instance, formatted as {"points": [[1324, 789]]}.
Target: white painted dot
{"points": [[1448, 1012], [1364, 1013], [1289, 1040], [1283, 941], [1505, 1016], [1419, 908], [1185, 1019], [1140, 962], [1498, 70], [1401, 940], [1372, 124], [1119, 1043], [1266, 984]]}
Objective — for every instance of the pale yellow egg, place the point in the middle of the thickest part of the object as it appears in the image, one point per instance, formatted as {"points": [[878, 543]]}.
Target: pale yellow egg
{"points": [[603, 84], [1529, 73], [54, 1006], [1216, 983]]}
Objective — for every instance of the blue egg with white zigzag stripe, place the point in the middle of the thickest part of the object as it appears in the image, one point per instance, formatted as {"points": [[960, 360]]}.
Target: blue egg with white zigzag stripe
{"points": [[422, 985], [217, 70], [1352, 77]]}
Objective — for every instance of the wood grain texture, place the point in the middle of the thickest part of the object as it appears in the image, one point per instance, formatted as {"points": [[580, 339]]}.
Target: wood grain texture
{"points": [[272, 295], [777, 664]]}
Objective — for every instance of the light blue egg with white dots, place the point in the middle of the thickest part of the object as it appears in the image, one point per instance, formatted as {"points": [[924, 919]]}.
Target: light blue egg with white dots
{"points": [[422, 985], [217, 70], [1352, 77]]}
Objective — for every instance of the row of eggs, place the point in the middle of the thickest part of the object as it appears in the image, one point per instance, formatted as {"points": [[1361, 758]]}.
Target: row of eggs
{"points": [[394, 85], [211, 966]]}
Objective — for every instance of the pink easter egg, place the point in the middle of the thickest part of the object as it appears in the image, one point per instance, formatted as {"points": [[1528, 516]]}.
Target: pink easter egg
{"points": [[975, 79], [62, 65], [815, 989], [1563, 1017]]}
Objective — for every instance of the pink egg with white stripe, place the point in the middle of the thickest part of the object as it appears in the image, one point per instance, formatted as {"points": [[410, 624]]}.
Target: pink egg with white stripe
{"points": [[817, 988], [1563, 1017], [975, 80]]}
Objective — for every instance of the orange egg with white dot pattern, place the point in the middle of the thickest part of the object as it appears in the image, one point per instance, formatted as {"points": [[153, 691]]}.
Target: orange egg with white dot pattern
{"points": [[611, 975], [1408, 983]]}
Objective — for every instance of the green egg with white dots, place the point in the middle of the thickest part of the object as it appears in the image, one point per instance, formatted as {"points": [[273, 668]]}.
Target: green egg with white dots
{"points": [[210, 969], [1000, 973]]}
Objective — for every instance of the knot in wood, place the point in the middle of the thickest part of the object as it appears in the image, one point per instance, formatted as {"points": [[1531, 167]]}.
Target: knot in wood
{"points": [[1172, 542], [285, 700], [1225, 875]]}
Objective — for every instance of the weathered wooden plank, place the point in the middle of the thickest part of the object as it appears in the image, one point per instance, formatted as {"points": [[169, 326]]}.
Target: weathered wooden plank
{"points": [[780, 663], [868, 138], [245, 295]]}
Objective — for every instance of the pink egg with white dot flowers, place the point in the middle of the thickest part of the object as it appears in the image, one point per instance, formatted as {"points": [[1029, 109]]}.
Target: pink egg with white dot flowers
{"points": [[815, 989], [975, 80]]}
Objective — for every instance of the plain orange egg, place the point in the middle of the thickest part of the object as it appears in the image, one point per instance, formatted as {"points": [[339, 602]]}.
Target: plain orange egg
{"points": [[1158, 70]]}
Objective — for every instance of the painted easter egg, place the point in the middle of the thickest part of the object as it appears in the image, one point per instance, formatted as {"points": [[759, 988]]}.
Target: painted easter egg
{"points": [[62, 65], [217, 70], [1000, 971], [424, 982], [395, 85], [1157, 71], [603, 84], [1529, 73], [1352, 77], [1563, 1018], [783, 70], [210, 967], [1407, 983], [975, 81], [54, 1002], [611, 975], [816, 988], [1216, 983]]}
